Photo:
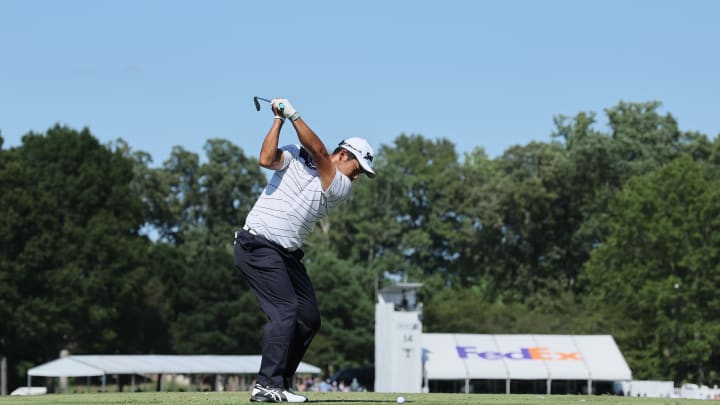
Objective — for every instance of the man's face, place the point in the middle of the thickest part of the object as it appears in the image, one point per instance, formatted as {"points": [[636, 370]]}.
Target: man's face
{"points": [[349, 166]]}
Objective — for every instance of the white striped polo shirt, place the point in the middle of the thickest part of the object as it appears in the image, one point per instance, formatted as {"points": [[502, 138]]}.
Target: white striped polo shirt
{"points": [[293, 201]]}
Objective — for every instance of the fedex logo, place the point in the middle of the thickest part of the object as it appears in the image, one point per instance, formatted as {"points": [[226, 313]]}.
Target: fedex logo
{"points": [[525, 353]]}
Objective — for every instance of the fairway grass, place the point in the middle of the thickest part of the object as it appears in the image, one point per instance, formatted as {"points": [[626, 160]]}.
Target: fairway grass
{"points": [[354, 398]]}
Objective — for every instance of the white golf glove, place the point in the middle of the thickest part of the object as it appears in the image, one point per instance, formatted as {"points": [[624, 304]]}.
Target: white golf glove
{"points": [[287, 110]]}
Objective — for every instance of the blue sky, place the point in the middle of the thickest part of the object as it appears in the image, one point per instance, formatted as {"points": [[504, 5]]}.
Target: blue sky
{"points": [[479, 73]]}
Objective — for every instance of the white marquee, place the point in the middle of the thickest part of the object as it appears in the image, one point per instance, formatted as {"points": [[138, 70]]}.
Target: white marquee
{"points": [[103, 365], [454, 356]]}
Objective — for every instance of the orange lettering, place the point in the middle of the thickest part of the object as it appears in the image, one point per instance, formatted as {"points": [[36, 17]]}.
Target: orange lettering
{"points": [[569, 356], [539, 353]]}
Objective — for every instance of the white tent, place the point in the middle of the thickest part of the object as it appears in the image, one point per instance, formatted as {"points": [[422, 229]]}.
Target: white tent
{"points": [[65, 367], [523, 357], [103, 365]]}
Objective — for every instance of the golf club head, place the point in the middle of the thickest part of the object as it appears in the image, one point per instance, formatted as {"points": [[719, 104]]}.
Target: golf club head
{"points": [[257, 100]]}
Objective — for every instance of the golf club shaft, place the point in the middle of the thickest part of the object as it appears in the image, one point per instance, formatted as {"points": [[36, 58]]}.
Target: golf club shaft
{"points": [[281, 106]]}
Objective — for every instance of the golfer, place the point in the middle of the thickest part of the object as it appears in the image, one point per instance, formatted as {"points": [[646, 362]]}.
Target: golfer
{"points": [[308, 181]]}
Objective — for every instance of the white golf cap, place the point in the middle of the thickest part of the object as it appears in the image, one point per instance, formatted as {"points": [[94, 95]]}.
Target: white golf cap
{"points": [[363, 153]]}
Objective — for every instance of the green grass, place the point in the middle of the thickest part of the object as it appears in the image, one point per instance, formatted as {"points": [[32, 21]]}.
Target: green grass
{"points": [[354, 398]]}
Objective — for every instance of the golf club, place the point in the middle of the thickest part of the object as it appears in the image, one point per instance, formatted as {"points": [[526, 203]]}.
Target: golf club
{"points": [[257, 100]]}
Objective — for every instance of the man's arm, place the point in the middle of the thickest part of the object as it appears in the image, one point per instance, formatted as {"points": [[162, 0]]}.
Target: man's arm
{"points": [[312, 143], [270, 155]]}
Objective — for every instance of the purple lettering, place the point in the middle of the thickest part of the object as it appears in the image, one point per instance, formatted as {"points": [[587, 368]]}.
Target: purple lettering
{"points": [[490, 355], [523, 354], [464, 350]]}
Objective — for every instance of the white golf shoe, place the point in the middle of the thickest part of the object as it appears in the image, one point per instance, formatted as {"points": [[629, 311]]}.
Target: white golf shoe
{"points": [[269, 394]]}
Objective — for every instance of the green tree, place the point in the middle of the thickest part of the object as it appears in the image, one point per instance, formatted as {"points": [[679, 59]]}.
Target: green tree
{"points": [[195, 208], [71, 253], [532, 230], [658, 267], [715, 151], [477, 238], [346, 299], [645, 140], [596, 165], [403, 214]]}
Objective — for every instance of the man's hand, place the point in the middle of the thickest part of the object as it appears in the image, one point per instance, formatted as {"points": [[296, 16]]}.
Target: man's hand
{"points": [[278, 113], [287, 110]]}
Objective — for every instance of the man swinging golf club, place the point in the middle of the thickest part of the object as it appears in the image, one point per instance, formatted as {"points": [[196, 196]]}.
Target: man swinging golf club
{"points": [[308, 181]]}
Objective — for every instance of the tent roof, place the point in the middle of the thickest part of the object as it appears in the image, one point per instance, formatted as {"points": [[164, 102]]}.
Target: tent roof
{"points": [[523, 357], [97, 365], [65, 367]]}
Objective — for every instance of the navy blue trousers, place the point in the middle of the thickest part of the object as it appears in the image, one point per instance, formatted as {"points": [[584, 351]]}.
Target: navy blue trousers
{"points": [[287, 297]]}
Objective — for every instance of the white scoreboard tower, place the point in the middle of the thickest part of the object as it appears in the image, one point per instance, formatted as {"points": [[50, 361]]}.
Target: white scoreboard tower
{"points": [[398, 334]]}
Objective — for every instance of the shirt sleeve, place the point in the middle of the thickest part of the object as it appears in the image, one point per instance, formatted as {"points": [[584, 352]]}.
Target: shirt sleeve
{"points": [[289, 152], [339, 189]]}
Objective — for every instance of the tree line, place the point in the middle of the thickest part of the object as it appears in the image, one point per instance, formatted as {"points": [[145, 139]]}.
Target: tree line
{"points": [[613, 231]]}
